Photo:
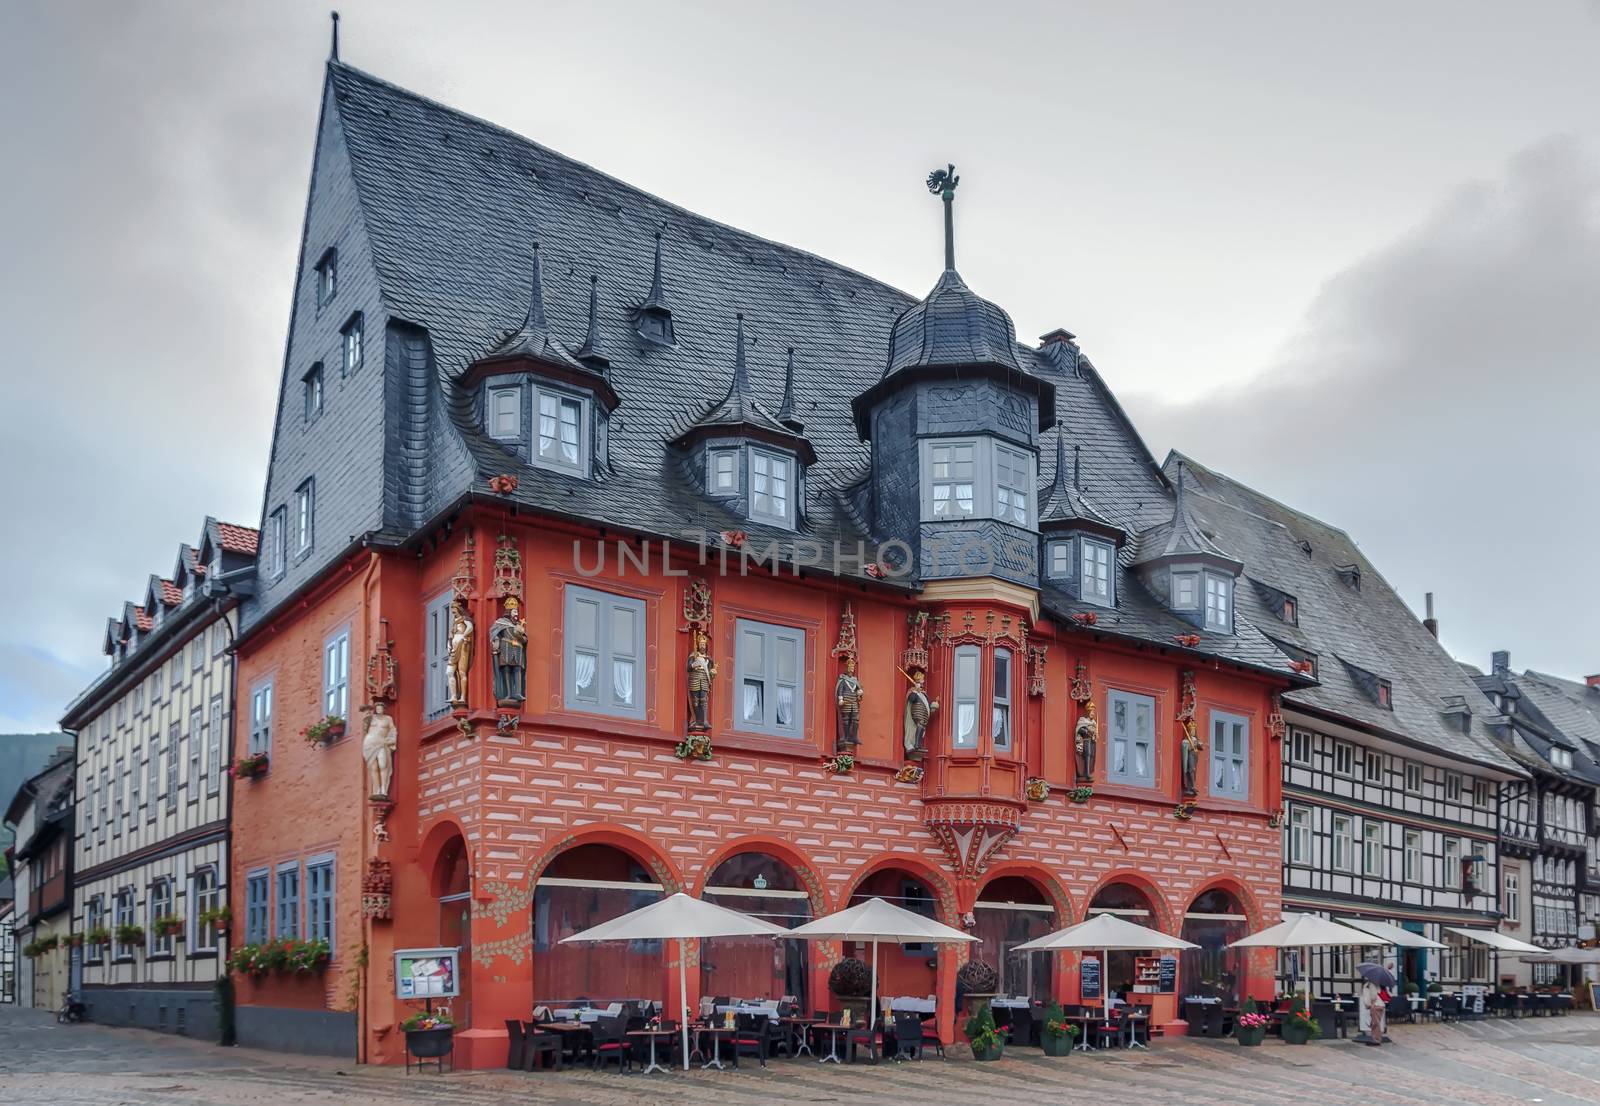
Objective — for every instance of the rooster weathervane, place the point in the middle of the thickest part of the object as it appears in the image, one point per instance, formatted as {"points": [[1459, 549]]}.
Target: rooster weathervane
{"points": [[942, 183]]}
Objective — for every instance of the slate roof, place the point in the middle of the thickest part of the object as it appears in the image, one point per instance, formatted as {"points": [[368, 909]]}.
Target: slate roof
{"points": [[740, 409], [1181, 536], [1563, 712], [451, 203], [1063, 503], [952, 325], [532, 338], [1369, 628]]}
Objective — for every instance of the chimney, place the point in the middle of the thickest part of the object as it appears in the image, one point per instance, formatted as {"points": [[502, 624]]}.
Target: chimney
{"points": [[1592, 681], [1058, 336], [1500, 662], [1429, 623]]}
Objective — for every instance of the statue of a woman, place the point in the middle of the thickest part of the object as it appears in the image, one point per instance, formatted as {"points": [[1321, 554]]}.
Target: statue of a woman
{"points": [[377, 749], [1085, 743], [1191, 757], [459, 659]]}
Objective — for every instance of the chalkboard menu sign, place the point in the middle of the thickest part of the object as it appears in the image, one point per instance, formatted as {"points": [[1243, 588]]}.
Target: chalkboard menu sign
{"points": [[1169, 976], [1089, 978]]}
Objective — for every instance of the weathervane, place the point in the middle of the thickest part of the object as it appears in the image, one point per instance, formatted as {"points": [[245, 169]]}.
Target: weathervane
{"points": [[942, 183]]}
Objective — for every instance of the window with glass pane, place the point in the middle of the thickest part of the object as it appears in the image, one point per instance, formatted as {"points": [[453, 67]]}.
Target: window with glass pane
{"points": [[1452, 862], [1133, 735], [505, 413], [1343, 758], [769, 660], [1372, 847], [1094, 575], [436, 635], [336, 675], [192, 776], [1374, 766], [174, 752], [1414, 778], [954, 466], [1002, 699], [1060, 559], [560, 432], [351, 348], [604, 670], [160, 907], [204, 894], [1300, 747], [1012, 481], [214, 749], [96, 919], [116, 797], [327, 277], [770, 482], [288, 915], [1412, 858], [964, 733], [1219, 602], [313, 391], [302, 517], [1343, 841], [319, 899], [1299, 835], [124, 917], [724, 471], [261, 719], [257, 904], [1185, 591], [153, 778], [1230, 755], [277, 536]]}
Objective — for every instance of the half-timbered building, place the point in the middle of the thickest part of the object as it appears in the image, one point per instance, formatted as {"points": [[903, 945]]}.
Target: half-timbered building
{"points": [[1391, 773], [150, 856], [1550, 878]]}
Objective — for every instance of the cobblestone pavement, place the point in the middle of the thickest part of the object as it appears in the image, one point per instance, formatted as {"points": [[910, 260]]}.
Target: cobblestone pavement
{"points": [[1555, 1061]]}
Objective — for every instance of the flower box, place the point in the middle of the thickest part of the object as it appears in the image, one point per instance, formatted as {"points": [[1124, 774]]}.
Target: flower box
{"points": [[249, 768], [325, 732], [169, 926]]}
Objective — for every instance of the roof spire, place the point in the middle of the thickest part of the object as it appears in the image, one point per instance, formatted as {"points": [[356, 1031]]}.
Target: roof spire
{"points": [[942, 183], [536, 319], [740, 387], [1076, 482], [656, 298], [786, 412], [590, 350], [335, 53]]}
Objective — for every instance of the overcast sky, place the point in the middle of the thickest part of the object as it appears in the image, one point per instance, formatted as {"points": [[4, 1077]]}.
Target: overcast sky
{"points": [[1348, 253]]}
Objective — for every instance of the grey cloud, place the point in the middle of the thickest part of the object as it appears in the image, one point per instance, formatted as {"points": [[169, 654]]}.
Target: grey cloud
{"points": [[1439, 402]]}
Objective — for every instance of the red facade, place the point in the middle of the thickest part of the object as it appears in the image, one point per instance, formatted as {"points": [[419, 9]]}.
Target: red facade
{"points": [[511, 831]]}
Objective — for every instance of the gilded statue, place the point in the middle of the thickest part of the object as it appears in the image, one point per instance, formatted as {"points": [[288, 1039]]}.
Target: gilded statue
{"points": [[1085, 743], [508, 645], [701, 671], [919, 709], [377, 749], [458, 662], [847, 693]]}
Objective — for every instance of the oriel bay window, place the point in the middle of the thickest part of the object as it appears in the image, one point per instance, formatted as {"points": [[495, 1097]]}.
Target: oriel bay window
{"points": [[604, 652], [768, 661], [1001, 731], [977, 478], [964, 731], [559, 432]]}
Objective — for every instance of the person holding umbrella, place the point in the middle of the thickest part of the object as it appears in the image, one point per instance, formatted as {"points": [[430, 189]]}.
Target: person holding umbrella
{"points": [[1376, 982]]}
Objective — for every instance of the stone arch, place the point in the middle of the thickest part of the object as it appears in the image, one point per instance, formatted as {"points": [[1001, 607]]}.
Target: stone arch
{"points": [[630, 841], [775, 846], [1164, 919], [443, 833], [1239, 890], [944, 891], [1041, 876]]}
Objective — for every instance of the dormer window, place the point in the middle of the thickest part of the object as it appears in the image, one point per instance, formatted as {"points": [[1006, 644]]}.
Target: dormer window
{"points": [[1094, 572], [1291, 612], [327, 276], [561, 436], [976, 478], [1185, 591], [1385, 695], [1219, 602], [723, 472], [1561, 758], [312, 383], [771, 487], [1059, 559], [655, 325], [504, 413], [350, 349]]}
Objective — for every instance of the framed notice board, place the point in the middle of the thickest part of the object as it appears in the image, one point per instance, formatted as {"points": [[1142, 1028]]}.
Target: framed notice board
{"points": [[427, 973]]}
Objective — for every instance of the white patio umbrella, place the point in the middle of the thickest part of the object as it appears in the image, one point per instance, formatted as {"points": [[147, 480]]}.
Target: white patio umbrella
{"points": [[682, 918], [1302, 931], [873, 921], [1105, 933]]}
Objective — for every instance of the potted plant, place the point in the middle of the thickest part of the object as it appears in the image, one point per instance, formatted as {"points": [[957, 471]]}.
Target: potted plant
{"points": [[302, 957], [1252, 1024], [217, 917], [1300, 1027], [978, 981], [250, 767], [75, 941], [249, 959], [1411, 987], [429, 1036], [328, 730], [1058, 1035], [1435, 988], [97, 938], [169, 925], [130, 934], [851, 983], [984, 1036]]}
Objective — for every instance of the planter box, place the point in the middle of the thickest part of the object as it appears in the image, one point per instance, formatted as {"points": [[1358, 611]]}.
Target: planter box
{"points": [[1295, 1035], [1056, 1046], [1250, 1038], [994, 1052], [977, 1004]]}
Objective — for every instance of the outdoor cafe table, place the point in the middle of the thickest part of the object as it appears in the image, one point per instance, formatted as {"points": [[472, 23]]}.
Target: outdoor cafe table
{"points": [[833, 1032], [800, 1031], [653, 1035], [572, 1034], [716, 1033]]}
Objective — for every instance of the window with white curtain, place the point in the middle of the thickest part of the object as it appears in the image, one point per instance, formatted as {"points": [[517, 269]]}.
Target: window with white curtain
{"points": [[559, 436], [976, 478], [952, 479], [604, 669], [1219, 602], [771, 487], [304, 505], [1132, 730], [768, 662], [1412, 857], [1094, 571], [1001, 729], [964, 734], [1230, 755]]}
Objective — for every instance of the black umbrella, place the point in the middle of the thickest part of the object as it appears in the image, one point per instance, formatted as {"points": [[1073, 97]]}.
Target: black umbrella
{"points": [[1375, 974]]}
